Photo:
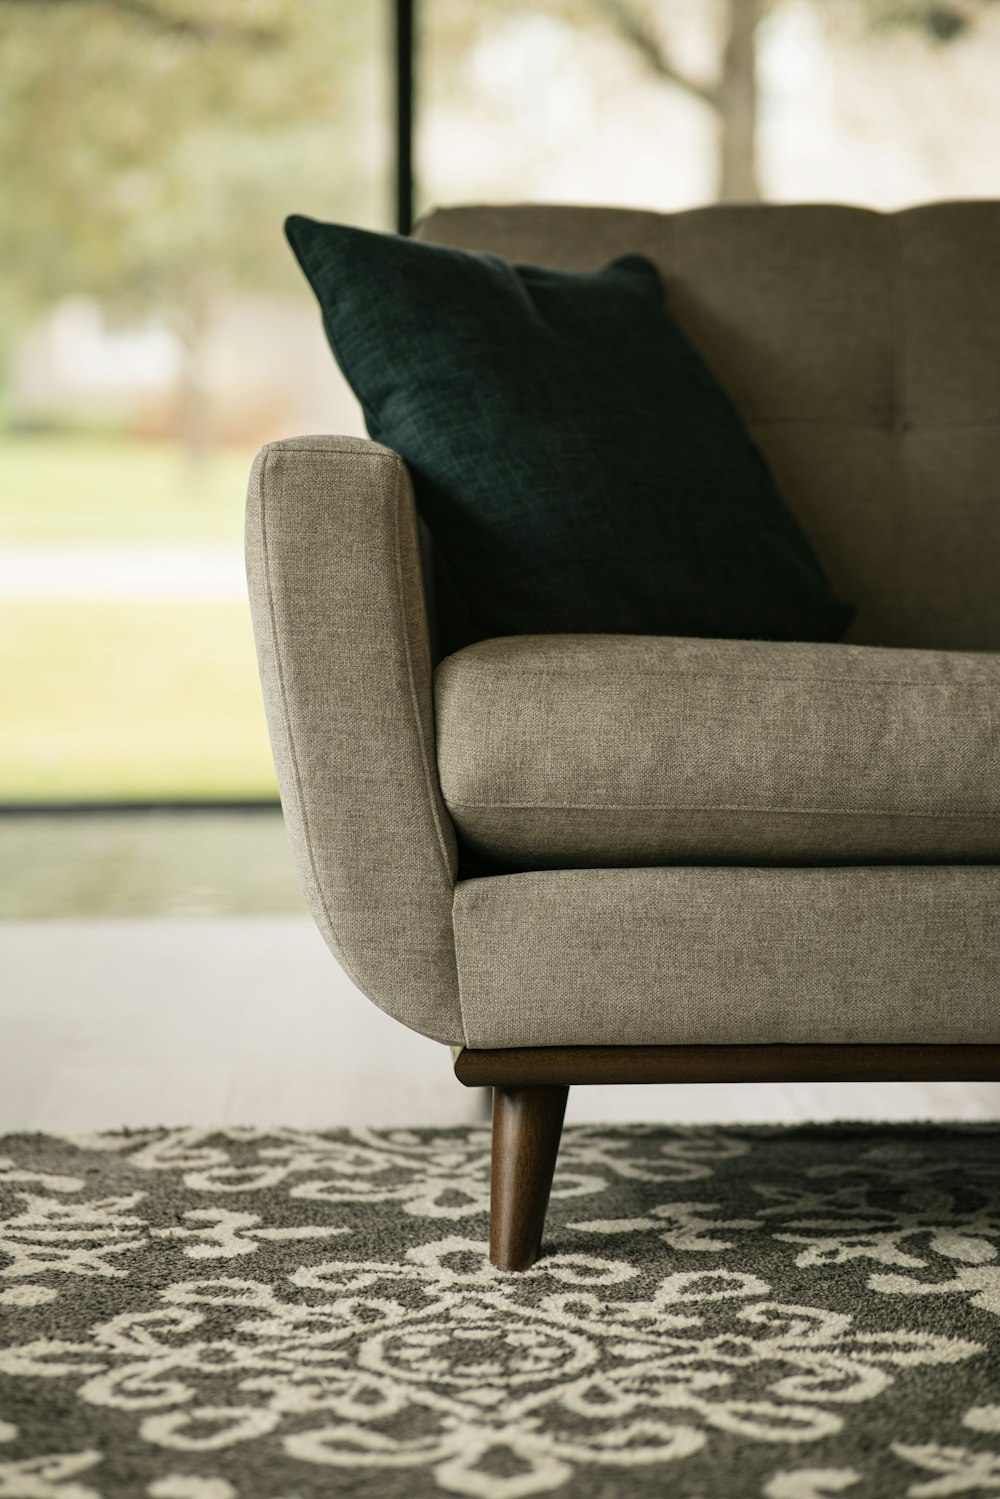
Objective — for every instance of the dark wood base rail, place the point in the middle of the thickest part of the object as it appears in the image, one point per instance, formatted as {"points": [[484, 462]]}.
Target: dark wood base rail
{"points": [[577, 1065], [531, 1085]]}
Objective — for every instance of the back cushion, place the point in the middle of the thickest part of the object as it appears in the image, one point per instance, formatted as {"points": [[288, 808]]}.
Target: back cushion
{"points": [[862, 351]]}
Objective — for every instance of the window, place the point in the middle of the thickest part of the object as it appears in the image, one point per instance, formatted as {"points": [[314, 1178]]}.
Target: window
{"points": [[668, 104], [155, 332]]}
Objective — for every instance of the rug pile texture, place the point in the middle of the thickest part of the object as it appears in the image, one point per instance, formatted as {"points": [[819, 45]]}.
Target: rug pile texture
{"points": [[248, 1314]]}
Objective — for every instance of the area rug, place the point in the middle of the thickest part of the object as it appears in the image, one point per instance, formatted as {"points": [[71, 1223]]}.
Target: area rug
{"points": [[243, 1314]]}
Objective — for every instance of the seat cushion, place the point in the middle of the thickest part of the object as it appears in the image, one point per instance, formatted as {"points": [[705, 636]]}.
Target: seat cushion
{"points": [[576, 460], [664, 957], [563, 751]]}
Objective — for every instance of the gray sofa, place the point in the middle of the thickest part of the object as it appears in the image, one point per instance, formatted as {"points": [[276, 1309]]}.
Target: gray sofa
{"points": [[582, 857]]}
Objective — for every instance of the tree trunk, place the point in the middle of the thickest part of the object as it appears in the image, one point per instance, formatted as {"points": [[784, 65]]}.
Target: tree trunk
{"points": [[738, 106]]}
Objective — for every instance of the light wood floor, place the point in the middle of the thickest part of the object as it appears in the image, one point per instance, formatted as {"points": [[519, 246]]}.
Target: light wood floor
{"points": [[106, 1022]]}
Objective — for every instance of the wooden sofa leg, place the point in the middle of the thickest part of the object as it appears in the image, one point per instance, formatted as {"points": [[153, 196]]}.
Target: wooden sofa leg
{"points": [[527, 1123]]}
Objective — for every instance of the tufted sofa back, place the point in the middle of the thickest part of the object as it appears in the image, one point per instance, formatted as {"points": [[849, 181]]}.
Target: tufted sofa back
{"points": [[862, 351]]}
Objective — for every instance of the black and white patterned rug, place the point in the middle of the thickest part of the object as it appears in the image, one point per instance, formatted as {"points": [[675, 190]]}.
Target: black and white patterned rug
{"points": [[243, 1314]]}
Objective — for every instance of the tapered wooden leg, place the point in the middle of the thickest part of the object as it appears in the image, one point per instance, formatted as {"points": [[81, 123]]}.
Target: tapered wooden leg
{"points": [[527, 1123]]}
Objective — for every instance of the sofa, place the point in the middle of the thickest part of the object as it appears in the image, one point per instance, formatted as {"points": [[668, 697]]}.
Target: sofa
{"points": [[586, 858]]}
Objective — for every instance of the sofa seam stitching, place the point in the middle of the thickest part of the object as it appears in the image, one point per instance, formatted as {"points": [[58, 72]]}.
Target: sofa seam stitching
{"points": [[465, 806], [414, 700], [458, 967], [449, 883], [743, 676]]}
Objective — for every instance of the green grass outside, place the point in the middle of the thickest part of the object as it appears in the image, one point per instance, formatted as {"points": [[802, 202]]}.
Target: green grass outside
{"points": [[126, 700], [63, 489]]}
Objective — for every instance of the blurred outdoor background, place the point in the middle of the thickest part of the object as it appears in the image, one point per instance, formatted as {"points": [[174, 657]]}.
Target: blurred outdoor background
{"points": [[154, 331]]}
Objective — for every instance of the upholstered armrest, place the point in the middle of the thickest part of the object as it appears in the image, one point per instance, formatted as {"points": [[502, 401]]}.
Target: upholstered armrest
{"points": [[341, 629]]}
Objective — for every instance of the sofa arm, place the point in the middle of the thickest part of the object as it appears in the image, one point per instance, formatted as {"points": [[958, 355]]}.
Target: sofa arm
{"points": [[338, 612]]}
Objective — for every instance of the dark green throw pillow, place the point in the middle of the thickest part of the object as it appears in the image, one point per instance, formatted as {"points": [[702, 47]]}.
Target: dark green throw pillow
{"points": [[576, 462]]}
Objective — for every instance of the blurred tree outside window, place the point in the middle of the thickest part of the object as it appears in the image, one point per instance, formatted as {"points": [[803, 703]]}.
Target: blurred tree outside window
{"points": [[668, 104], [154, 330]]}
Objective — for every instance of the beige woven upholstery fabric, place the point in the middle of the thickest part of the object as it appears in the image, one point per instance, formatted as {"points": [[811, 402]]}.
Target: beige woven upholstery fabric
{"points": [[613, 749], [648, 957], [863, 353], [341, 630]]}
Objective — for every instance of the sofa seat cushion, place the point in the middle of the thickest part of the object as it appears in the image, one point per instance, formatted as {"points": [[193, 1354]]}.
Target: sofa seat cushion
{"points": [[588, 750]]}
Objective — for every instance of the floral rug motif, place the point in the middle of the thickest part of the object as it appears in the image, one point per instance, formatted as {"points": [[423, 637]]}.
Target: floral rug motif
{"points": [[279, 1314]]}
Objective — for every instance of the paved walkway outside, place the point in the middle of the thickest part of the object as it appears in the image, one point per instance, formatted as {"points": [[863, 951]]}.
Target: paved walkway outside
{"points": [[86, 571]]}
